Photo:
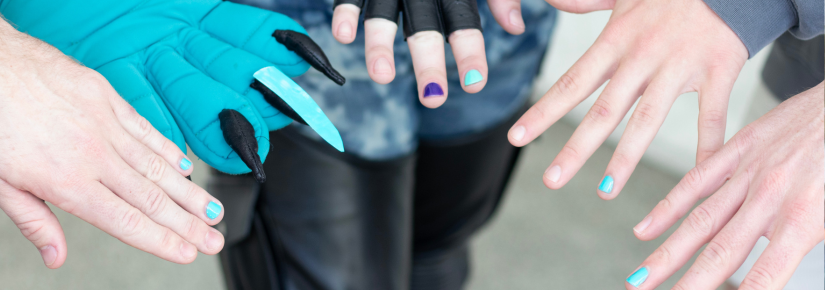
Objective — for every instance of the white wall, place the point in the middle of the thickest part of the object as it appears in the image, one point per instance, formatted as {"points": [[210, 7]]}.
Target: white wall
{"points": [[674, 148]]}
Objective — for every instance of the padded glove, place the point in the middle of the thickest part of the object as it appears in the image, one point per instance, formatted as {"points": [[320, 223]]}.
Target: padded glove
{"points": [[185, 65]]}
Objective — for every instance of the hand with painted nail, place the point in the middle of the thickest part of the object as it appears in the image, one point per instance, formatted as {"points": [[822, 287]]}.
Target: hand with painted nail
{"points": [[182, 63], [68, 138], [652, 52], [766, 181], [425, 24]]}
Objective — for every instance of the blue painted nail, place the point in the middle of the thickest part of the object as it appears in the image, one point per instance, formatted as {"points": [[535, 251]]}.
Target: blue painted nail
{"points": [[185, 164], [213, 210], [638, 278], [472, 76], [607, 184], [433, 89]]}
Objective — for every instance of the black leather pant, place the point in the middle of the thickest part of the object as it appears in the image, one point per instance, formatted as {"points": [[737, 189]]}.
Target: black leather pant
{"points": [[329, 220]]}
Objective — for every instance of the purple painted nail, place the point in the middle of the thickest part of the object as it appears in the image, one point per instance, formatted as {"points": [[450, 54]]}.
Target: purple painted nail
{"points": [[433, 89]]}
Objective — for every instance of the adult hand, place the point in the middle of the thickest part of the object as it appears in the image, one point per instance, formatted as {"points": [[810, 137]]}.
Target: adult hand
{"points": [[68, 138], [182, 63], [425, 24], [654, 49], [766, 181]]}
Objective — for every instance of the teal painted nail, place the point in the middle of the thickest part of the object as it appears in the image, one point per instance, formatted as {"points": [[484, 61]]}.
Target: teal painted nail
{"points": [[185, 164], [472, 76], [213, 210], [638, 278], [607, 184]]}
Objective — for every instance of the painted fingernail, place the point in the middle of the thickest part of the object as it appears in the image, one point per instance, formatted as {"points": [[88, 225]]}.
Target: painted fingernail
{"points": [[517, 133], [642, 225], [185, 164], [214, 239], [213, 210], [49, 255], [472, 77], [187, 250], [382, 66], [344, 30], [638, 277], [607, 184], [515, 18], [433, 89], [554, 173]]}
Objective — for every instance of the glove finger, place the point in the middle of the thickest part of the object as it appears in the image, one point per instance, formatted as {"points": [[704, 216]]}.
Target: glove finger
{"points": [[250, 28], [195, 100], [234, 68], [420, 16], [460, 14], [129, 80]]}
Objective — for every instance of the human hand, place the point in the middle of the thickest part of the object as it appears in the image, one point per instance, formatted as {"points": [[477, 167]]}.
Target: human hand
{"points": [[766, 181], [653, 49], [425, 23], [182, 63], [68, 138]]}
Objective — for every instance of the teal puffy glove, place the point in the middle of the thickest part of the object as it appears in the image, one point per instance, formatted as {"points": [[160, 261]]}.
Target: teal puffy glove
{"points": [[178, 62]]}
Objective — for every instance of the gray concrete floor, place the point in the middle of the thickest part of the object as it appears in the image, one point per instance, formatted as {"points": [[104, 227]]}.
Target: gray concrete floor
{"points": [[540, 238]]}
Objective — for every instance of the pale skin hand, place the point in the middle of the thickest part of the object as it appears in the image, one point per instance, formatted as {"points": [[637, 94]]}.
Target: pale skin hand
{"points": [[654, 49], [426, 47], [766, 181], [68, 138]]}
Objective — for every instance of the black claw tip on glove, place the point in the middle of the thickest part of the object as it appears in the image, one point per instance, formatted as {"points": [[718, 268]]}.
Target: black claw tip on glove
{"points": [[276, 101], [239, 134], [310, 51]]}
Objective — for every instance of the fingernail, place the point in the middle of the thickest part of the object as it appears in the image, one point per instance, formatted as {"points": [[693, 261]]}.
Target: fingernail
{"points": [[472, 77], [49, 255], [185, 164], [187, 250], [515, 18], [433, 89], [554, 173], [344, 30], [638, 277], [607, 184], [642, 225], [213, 239], [382, 66], [518, 132], [213, 210]]}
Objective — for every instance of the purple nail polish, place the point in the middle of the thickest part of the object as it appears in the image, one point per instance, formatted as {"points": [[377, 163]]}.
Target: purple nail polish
{"points": [[433, 89]]}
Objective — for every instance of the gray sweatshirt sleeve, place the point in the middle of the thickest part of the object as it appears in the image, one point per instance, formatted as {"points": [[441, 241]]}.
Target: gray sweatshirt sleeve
{"points": [[759, 22]]}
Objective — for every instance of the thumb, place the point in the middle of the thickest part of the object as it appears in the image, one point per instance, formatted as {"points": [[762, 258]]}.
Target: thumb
{"points": [[37, 223], [582, 6]]}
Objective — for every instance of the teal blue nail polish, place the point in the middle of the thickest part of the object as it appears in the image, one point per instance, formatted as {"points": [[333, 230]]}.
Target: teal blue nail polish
{"points": [[471, 77], [213, 210], [185, 164], [638, 278], [607, 184]]}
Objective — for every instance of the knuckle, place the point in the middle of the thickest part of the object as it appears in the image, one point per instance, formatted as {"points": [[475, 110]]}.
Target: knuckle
{"points": [[600, 111], [664, 255], [758, 278], [32, 229], [155, 168], [155, 202], [567, 84], [799, 219], [701, 221], [131, 223], [168, 241], [712, 119], [694, 177], [144, 128], [644, 113], [715, 255], [772, 186], [570, 151], [190, 229]]}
